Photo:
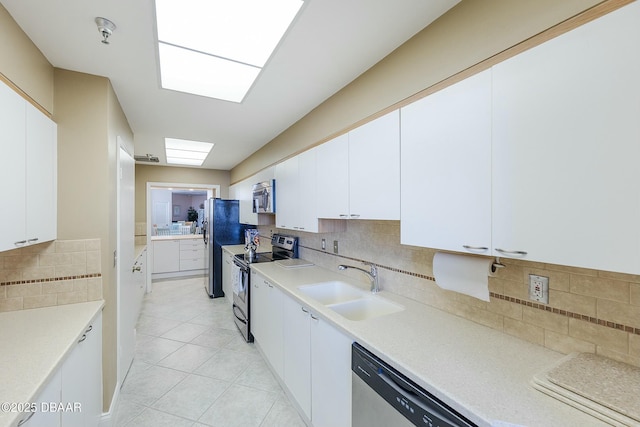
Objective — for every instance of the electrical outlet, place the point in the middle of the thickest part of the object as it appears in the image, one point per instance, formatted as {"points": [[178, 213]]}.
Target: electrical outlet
{"points": [[335, 246], [324, 244], [539, 288]]}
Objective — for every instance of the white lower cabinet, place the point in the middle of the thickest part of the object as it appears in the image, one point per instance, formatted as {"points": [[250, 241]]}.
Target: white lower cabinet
{"points": [[82, 379], [192, 255], [73, 395], [267, 320], [317, 366], [227, 279], [297, 353], [166, 256], [40, 418]]}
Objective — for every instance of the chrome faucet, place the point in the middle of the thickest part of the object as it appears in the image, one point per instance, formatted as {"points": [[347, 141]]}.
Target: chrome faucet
{"points": [[373, 274]]}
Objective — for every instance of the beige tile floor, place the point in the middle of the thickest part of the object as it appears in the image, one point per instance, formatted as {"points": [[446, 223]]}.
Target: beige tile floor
{"points": [[193, 368]]}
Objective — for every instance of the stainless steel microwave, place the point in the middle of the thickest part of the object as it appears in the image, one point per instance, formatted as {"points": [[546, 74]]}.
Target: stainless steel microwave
{"points": [[264, 197]]}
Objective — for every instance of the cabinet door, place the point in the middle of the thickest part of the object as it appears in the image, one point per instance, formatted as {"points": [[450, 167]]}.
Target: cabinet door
{"points": [[333, 177], [374, 169], [81, 379], [41, 177], [267, 320], [227, 279], [287, 190], [297, 353], [42, 417], [257, 308], [330, 375], [446, 168], [12, 169], [166, 256], [566, 147], [307, 192], [275, 326]]}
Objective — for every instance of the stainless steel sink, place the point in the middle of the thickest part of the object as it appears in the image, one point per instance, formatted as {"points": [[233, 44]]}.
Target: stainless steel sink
{"points": [[332, 292], [366, 308]]}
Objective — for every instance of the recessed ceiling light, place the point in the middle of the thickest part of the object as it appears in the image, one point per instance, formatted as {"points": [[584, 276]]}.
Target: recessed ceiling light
{"points": [[186, 152], [216, 48]]}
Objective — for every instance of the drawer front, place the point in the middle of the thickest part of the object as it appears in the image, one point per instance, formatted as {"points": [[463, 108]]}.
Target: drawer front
{"points": [[192, 264], [191, 253], [191, 244]]}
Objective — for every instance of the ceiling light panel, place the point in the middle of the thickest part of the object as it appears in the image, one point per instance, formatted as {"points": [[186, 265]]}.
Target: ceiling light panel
{"points": [[246, 31], [186, 152], [187, 71]]}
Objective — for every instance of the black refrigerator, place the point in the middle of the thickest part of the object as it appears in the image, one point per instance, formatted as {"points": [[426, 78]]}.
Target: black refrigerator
{"points": [[221, 227]]}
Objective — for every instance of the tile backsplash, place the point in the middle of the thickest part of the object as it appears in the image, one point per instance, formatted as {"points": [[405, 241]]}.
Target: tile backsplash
{"points": [[52, 273], [589, 310]]}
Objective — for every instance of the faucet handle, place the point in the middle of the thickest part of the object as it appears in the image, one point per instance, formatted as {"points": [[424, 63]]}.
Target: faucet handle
{"points": [[374, 269]]}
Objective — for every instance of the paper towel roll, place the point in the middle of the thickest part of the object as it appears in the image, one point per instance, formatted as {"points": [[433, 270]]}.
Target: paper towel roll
{"points": [[461, 273]]}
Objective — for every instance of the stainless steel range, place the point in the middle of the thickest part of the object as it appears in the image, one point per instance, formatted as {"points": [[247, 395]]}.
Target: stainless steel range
{"points": [[282, 247]]}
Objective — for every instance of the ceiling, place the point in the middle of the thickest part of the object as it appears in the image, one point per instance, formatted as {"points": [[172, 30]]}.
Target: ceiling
{"points": [[330, 43]]}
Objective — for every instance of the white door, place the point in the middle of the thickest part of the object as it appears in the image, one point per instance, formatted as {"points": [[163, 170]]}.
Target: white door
{"points": [[126, 284]]}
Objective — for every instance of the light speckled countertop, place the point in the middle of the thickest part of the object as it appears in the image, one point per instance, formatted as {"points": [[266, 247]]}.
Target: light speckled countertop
{"points": [[34, 344], [482, 373], [177, 237]]}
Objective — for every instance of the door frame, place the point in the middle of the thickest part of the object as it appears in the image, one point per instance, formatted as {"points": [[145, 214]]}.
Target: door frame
{"points": [[213, 190]]}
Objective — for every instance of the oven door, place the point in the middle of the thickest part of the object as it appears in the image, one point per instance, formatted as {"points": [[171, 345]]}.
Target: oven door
{"points": [[241, 288]]}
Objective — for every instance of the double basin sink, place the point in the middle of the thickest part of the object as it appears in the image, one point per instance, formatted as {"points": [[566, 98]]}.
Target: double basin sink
{"points": [[349, 301]]}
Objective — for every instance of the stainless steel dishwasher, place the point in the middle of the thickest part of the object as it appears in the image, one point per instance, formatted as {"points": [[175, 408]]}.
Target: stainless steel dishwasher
{"points": [[383, 397]]}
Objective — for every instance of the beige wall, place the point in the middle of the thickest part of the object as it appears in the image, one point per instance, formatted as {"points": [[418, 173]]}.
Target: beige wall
{"points": [[89, 120], [23, 64], [150, 173], [469, 33]]}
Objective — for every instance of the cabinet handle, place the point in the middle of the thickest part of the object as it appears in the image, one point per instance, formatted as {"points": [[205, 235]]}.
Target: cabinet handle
{"points": [[502, 251], [270, 285], [20, 243], [475, 248], [136, 268], [344, 216], [89, 329], [35, 239], [31, 414], [355, 215], [304, 309], [314, 317], [84, 337]]}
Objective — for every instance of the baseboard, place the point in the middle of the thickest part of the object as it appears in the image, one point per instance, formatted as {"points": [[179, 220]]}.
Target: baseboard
{"points": [[109, 418]]}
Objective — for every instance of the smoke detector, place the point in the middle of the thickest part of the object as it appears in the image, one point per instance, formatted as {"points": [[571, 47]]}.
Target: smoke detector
{"points": [[106, 28]]}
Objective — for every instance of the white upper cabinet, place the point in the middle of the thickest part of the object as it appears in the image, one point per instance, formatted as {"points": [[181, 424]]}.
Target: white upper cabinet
{"points": [[28, 170], [243, 192], [446, 168], [333, 178], [374, 169], [359, 172], [296, 199], [12, 168], [42, 177], [566, 146]]}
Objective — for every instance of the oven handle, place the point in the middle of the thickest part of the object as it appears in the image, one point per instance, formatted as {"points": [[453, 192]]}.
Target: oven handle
{"points": [[236, 314]]}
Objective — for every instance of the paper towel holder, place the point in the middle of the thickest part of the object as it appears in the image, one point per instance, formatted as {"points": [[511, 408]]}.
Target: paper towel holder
{"points": [[496, 265]]}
